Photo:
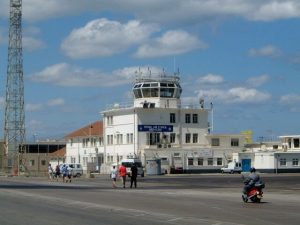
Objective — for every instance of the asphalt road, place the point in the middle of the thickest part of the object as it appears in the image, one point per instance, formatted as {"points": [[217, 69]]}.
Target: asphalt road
{"points": [[177, 199]]}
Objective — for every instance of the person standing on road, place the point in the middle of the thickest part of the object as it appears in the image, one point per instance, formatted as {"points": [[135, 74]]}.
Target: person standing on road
{"points": [[134, 172], [64, 171], [57, 172], [113, 175], [69, 169], [50, 171], [122, 171]]}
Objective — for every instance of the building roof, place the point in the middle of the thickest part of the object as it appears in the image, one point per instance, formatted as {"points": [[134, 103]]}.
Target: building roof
{"points": [[59, 153], [290, 136], [93, 129]]}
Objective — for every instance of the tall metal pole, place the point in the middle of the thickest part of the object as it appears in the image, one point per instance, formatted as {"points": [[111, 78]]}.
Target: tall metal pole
{"points": [[14, 128], [212, 117]]}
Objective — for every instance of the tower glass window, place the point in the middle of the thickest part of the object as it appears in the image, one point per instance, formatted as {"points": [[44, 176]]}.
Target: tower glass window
{"points": [[166, 87]]}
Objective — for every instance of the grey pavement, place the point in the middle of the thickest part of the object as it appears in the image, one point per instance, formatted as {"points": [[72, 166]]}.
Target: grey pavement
{"points": [[175, 199]]}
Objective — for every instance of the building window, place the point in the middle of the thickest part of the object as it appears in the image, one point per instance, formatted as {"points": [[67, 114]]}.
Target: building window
{"points": [[195, 118], [283, 162], [187, 138], [172, 138], [215, 142], [110, 139], [295, 162], [234, 142], [31, 162], [73, 160], [187, 118], [130, 138], [195, 138], [210, 161], [200, 161], [43, 162], [93, 141], [119, 139], [172, 118], [71, 142], [219, 161], [100, 141], [153, 138], [190, 161], [296, 143], [110, 120], [85, 160], [290, 143]]}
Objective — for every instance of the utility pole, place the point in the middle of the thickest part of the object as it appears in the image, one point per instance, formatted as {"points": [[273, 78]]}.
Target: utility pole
{"points": [[14, 127]]}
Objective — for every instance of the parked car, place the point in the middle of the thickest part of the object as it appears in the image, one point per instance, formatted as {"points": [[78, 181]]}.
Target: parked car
{"points": [[232, 167], [77, 170]]}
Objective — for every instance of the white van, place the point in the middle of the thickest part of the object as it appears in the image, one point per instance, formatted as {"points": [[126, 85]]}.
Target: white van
{"points": [[232, 167], [77, 170], [128, 164]]}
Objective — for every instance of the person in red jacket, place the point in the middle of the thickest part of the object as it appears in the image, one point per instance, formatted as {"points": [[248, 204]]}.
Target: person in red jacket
{"points": [[122, 172]]}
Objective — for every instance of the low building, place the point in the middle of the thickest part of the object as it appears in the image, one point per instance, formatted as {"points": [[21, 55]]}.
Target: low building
{"points": [[86, 146], [34, 161], [272, 157]]}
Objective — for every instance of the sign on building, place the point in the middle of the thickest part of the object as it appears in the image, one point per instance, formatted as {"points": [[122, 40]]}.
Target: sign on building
{"points": [[155, 128]]}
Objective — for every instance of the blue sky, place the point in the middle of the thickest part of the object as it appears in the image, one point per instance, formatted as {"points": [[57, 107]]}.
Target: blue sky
{"points": [[80, 56]]}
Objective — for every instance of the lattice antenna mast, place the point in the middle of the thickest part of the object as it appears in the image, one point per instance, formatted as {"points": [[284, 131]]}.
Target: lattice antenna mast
{"points": [[14, 128]]}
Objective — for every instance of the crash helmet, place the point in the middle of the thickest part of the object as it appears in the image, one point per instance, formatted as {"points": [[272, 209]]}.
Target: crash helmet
{"points": [[252, 170]]}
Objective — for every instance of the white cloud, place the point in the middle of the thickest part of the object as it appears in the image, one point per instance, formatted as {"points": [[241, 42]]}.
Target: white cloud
{"points": [[235, 95], [29, 40], [167, 11], [171, 43], [63, 74], [274, 9], [56, 102], [33, 107], [211, 79], [104, 37], [290, 99], [31, 43], [258, 81], [268, 51], [41, 106]]}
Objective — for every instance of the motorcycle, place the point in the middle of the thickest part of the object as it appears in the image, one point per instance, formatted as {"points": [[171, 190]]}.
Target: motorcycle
{"points": [[255, 193]]}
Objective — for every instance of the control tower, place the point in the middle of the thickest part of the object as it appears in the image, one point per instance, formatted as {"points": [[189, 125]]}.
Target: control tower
{"points": [[157, 91]]}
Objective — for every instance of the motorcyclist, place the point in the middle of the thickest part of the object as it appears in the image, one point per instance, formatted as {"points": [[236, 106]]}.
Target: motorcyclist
{"points": [[251, 180]]}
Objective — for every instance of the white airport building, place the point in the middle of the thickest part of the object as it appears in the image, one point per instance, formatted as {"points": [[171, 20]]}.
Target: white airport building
{"points": [[272, 157], [155, 126]]}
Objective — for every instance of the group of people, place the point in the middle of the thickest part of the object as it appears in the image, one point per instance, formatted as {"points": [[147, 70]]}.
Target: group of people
{"points": [[122, 173], [64, 171]]}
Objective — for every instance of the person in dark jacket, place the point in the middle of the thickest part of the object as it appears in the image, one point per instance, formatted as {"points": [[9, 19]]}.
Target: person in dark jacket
{"points": [[134, 172], [251, 180]]}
